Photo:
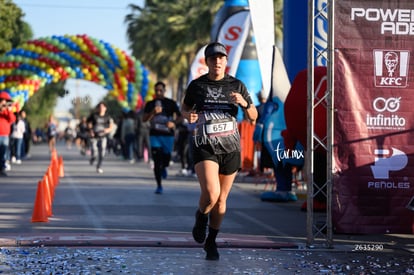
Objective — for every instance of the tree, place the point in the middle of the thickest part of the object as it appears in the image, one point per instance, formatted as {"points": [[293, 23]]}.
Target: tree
{"points": [[41, 104], [165, 35], [81, 106], [13, 30], [278, 11]]}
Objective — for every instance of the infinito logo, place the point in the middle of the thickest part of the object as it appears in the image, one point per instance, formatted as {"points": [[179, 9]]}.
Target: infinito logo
{"points": [[382, 121], [391, 68], [382, 104]]}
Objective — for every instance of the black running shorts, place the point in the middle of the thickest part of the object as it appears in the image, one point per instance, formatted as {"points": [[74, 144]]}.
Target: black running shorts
{"points": [[228, 163]]}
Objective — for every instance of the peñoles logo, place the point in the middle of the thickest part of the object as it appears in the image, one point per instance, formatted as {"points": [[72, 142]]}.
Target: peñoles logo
{"points": [[386, 161]]}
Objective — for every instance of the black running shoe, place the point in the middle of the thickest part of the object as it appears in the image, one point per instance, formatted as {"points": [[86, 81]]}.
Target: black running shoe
{"points": [[91, 161], [211, 249], [200, 227]]}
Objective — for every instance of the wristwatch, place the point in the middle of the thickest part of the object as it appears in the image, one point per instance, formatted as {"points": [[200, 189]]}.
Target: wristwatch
{"points": [[247, 106]]}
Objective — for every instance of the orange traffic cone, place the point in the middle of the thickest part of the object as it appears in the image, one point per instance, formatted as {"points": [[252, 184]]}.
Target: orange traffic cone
{"points": [[54, 167], [39, 209], [48, 196], [53, 155], [60, 166], [51, 181]]}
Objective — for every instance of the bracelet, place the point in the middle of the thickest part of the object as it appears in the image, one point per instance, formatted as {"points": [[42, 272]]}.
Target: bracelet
{"points": [[247, 106]]}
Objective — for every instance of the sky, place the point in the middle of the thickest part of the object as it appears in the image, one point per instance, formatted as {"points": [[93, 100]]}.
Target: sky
{"points": [[101, 19]]}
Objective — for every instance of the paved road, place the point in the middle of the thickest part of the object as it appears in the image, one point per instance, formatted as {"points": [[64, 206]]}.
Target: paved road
{"points": [[97, 214], [122, 201]]}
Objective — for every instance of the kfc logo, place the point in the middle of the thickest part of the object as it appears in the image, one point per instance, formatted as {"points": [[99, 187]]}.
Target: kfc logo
{"points": [[391, 68]]}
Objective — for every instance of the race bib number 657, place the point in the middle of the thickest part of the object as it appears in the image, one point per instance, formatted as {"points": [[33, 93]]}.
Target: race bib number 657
{"points": [[220, 127]]}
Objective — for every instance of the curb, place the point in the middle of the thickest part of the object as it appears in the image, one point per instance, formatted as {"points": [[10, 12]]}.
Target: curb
{"points": [[184, 240]]}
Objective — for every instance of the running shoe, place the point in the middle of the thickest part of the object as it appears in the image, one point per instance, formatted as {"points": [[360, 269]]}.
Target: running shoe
{"points": [[164, 173], [7, 166], [99, 170], [211, 249], [200, 227], [158, 190], [91, 161]]}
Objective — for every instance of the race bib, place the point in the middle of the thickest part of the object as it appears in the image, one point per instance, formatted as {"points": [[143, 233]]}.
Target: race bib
{"points": [[161, 127], [219, 127]]}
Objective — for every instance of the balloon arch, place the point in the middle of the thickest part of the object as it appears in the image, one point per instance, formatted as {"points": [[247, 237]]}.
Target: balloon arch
{"points": [[27, 68]]}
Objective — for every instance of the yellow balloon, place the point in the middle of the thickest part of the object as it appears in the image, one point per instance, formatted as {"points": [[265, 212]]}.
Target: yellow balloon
{"points": [[50, 71], [149, 97], [94, 68], [113, 93], [88, 76]]}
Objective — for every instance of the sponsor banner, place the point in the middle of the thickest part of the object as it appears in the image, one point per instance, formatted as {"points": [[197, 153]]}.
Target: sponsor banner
{"points": [[373, 130], [199, 66], [280, 80], [320, 32], [233, 34], [262, 15]]}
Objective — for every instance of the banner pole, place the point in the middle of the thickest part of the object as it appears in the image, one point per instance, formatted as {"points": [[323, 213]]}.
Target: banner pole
{"points": [[330, 123], [310, 126], [318, 52]]}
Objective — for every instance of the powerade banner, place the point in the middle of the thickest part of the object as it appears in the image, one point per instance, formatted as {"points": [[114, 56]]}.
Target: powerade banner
{"points": [[374, 118]]}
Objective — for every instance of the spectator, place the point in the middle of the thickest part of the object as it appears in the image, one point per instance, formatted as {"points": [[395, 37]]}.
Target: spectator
{"points": [[27, 137], [6, 119], [16, 144]]}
